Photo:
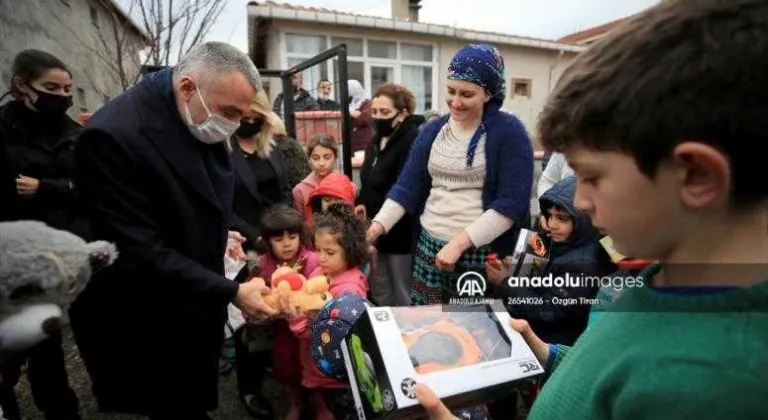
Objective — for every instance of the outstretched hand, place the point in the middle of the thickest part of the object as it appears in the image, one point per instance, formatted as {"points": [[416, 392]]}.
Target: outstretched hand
{"points": [[436, 410]]}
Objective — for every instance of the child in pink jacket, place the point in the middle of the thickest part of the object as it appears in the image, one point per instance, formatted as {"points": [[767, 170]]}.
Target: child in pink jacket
{"points": [[285, 235], [341, 249]]}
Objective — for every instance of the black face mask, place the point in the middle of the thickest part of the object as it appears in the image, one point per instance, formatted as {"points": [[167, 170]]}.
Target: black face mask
{"points": [[384, 126], [51, 104], [249, 129]]}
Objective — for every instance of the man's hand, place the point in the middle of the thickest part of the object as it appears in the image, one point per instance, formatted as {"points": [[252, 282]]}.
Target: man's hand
{"points": [[250, 300], [287, 308], [436, 410], [27, 186], [354, 114]]}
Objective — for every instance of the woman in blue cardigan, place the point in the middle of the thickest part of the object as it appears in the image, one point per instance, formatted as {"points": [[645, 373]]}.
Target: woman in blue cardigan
{"points": [[467, 180]]}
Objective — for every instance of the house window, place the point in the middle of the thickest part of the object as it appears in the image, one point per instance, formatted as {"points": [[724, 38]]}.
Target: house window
{"points": [[370, 61], [354, 46], [414, 52], [521, 87], [305, 44], [94, 16], [419, 80], [81, 100], [301, 47], [382, 49]]}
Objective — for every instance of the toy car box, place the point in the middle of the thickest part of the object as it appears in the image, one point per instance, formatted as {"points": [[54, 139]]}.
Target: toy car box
{"points": [[531, 255], [466, 355]]}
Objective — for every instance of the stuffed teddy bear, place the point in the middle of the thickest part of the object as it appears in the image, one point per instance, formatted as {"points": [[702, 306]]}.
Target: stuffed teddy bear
{"points": [[42, 270], [306, 296]]}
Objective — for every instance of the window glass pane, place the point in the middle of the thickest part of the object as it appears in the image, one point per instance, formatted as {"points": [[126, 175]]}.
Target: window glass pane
{"points": [[355, 71], [419, 80], [354, 46], [382, 49], [416, 52], [381, 75], [305, 44]]}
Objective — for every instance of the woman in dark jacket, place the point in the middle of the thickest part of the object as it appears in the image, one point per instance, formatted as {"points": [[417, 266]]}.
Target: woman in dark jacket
{"points": [[392, 109], [37, 138], [261, 181]]}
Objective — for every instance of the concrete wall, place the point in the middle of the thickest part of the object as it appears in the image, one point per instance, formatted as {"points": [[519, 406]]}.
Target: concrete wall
{"points": [[65, 29]]}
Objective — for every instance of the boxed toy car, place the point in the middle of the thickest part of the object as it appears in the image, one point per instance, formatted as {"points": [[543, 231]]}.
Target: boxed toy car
{"points": [[467, 355], [531, 255]]}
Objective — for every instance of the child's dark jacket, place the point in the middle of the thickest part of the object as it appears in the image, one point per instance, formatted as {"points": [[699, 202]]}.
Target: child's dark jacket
{"points": [[582, 256]]}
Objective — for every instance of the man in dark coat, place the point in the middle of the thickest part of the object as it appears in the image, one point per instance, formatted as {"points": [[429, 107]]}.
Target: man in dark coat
{"points": [[302, 100], [156, 179]]}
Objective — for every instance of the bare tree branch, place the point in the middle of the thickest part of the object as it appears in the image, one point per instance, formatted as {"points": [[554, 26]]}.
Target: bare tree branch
{"points": [[171, 28]]}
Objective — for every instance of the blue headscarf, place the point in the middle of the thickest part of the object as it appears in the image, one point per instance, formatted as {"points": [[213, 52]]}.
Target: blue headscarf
{"points": [[482, 65]]}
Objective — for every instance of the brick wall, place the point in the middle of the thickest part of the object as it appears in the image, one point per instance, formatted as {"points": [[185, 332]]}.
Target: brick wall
{"points": [[309, 123]]}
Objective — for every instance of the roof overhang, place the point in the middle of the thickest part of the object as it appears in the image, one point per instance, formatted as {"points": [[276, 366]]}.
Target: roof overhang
{"points": [[258, 12]]}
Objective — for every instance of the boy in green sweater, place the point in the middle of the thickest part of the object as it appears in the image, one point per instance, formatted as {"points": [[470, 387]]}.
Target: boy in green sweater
{"points": [[662, 121]]}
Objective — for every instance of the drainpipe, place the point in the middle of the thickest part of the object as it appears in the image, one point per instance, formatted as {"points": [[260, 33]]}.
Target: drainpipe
{"points": [[560, 54]]}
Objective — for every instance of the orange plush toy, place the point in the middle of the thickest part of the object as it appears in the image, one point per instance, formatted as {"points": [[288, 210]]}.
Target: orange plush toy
{"points": [[305, 296]]}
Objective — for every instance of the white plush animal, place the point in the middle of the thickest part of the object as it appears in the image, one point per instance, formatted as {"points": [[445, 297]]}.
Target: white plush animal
{"points": [[42, 270]]}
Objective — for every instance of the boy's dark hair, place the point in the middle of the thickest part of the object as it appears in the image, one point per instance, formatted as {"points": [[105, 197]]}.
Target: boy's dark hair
{"points": [[316, 202], [548, 207], [683, 70], [29, 65], [280, 219], [323, 140], [339, 219]]}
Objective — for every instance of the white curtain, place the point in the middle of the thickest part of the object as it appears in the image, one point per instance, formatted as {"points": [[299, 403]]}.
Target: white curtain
{"points": [[414, 78]]}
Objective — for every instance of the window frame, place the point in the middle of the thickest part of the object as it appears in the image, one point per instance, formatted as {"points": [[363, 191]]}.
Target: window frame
{"points": [[367, 61], [527, 81]]}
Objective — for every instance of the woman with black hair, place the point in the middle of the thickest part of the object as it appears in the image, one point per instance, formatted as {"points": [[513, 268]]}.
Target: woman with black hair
{"points": [[36, 142]]}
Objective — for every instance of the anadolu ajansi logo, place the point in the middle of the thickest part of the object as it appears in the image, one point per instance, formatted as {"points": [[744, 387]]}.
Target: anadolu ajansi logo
{"points": [[471, 284]]}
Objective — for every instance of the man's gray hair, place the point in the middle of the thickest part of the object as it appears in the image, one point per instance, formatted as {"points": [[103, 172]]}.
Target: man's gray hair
{"points": [[213, 58]]}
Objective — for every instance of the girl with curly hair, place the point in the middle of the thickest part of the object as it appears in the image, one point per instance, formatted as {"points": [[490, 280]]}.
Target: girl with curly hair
{"points": [[341, 249]]}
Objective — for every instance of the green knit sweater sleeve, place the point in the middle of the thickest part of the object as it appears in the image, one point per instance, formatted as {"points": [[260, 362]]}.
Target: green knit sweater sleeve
{"points": [[688, 391], [559, 355]]}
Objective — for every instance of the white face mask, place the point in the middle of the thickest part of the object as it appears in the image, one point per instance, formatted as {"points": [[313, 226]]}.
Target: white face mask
{"points": [[214, 129]]}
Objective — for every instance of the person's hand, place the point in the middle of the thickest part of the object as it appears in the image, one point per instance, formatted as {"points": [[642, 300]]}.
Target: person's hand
{"points": [[360, 212], [447, 256], [543, 223], [250, 300], [374, 231], [235, 246], [27, 186], [436, 410], [496, 274], [538, 346], [287, 308], [354, 114]]}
